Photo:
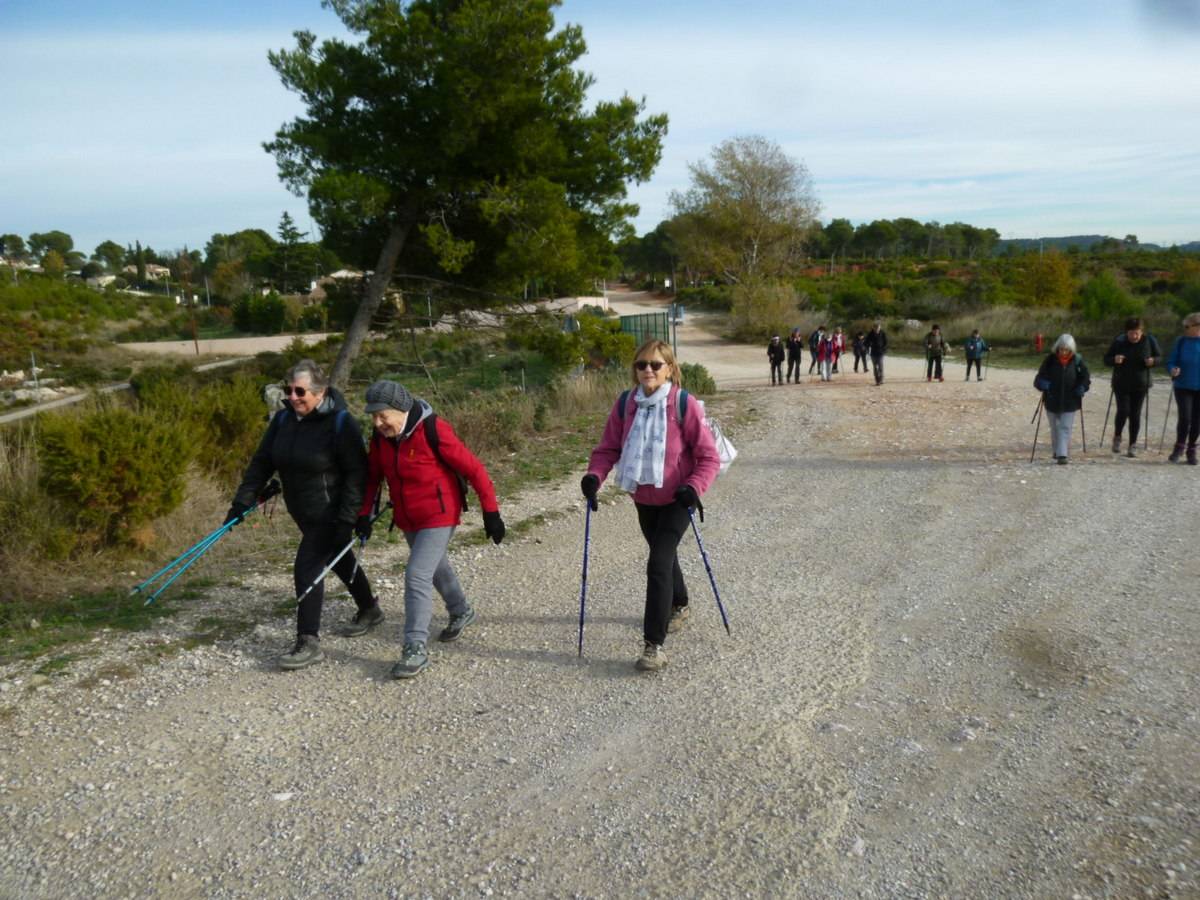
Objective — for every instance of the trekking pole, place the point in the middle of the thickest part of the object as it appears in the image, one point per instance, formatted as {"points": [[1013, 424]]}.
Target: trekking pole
{"points": [[338, 558], [987, 361], [193, 553], [362, 541], [711, 578], [1163, 437], [1111, 391], [1037, 414], [1082, 427], [587, 540], [1146, 428]]}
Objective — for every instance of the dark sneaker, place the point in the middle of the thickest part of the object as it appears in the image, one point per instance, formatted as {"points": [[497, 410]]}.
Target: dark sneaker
{"points": [[1191, 456], [364, 621], [1131, 453], [456, 625], [306, 652], [679, 615], [1062, 460], [1176, 454], [652, 659], [412, 661], [1116, 445]]}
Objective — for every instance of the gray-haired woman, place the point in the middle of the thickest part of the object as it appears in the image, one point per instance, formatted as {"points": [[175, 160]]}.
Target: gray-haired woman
{"points": [[317, 449], [1063, 379]]}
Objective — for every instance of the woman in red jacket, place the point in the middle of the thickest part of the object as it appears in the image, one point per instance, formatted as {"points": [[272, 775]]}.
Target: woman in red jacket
{"points": [[424, 464], [666, 458]]}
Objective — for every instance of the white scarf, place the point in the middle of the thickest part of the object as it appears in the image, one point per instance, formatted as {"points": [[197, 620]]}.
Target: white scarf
{"points": [[645, 447]]}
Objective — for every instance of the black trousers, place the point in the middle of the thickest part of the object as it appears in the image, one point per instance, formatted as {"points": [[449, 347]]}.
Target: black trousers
{"points": [[663, 528], [1129, 406], [1188, 429], [877, 366], [859, 355], [794, 363], [318, 546], [978, 364], [933, 368], [777, 371]]}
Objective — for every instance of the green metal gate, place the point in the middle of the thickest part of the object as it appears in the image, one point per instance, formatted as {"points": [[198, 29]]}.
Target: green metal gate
{"points": [[648, 325]]}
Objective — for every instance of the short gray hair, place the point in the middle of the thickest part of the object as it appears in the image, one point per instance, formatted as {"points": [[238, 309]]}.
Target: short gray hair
{"points": [[1191, 319], [1064, 340], [317, 378]]}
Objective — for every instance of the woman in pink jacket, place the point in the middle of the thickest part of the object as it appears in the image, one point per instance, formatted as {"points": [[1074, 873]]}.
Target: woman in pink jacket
{"points": [[665, 457]]}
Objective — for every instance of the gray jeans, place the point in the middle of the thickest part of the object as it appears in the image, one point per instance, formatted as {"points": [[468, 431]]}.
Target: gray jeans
{"points": [[429, 568], [1060, 431]]}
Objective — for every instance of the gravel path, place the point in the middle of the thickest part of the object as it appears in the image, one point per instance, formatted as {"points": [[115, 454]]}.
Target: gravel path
{"points": [[952, 674]]}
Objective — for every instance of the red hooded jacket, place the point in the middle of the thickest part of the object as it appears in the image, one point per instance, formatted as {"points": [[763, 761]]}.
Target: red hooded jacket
{"points": [[423, 492]]}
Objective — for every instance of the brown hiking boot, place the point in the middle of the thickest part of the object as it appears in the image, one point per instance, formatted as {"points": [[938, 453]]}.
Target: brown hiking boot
{"points": [[652, 659], [679, 615]]}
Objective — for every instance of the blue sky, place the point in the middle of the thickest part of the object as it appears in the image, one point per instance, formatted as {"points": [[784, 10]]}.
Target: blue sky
{"points": [[144, 121]]}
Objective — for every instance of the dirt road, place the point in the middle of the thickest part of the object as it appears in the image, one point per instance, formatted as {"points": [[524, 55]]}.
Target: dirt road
{"points": [[952, 674]]}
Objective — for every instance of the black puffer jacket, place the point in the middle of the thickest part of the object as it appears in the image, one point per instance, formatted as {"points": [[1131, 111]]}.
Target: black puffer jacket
{"points": [[1062, 384], [1133, 375], [320, 458]]}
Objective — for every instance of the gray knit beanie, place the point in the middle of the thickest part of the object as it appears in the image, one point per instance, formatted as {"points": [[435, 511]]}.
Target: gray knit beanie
{"points": [[388, 395]]}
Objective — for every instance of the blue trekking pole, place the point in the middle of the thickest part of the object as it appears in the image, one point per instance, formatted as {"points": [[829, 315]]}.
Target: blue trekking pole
{"points": [[196, 548], [196, 558], [711, 578], [587, 539]]}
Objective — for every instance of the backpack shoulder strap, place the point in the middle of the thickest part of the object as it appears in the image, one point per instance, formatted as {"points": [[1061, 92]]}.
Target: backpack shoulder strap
{"points": [[435, 444], [622, 402], [681, 402], [339, 421]]}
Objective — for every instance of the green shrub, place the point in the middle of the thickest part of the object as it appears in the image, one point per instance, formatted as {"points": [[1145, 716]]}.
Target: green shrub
{"points": [[696, 379], [1104, 298], [115, 469], [712, 297]]}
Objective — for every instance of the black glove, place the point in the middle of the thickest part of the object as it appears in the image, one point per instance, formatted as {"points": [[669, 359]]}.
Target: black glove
{"points": [[341, 534], [363, 527], [685, 495], [590, 485], [493, 526], [237, 512]]}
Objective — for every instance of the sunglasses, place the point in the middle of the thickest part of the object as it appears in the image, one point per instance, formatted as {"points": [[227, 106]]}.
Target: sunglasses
{"points": [[298, 391], [643, 364]]}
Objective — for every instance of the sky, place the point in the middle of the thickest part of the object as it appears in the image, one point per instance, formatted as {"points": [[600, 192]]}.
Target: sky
{"points": [[141, 120]]}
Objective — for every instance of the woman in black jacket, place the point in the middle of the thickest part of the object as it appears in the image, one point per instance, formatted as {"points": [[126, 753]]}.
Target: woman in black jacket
{"points": [[1132, 355], [317, 449], [1063, 379]]}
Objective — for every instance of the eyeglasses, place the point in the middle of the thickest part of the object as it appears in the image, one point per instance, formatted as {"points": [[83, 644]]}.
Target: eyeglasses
{"points": [[642, 364], [298, 391]]}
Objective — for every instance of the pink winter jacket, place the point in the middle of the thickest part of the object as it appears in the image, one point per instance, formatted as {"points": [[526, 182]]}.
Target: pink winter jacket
{"points": [[691, 456]]}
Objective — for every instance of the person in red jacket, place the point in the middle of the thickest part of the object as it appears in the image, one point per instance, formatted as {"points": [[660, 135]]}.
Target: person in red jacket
{"points": [[424, 464], [666, 460]]}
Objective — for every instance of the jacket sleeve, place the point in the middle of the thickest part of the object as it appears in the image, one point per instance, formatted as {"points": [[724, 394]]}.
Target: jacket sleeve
{"points": [[608, 451], [699, 439], [456, 455], [352, 463], [1043, 375], [374, 478], [1173, 357], [261, 468], [1110, 358], [1085, 376]]}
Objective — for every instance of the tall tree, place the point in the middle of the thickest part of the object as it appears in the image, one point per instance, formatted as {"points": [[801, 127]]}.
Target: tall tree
{"points": [[460, 123], [53, 264], [748, 213], [43, 242], [289, 241], [839, 233], [13, 246], [111, 254]]}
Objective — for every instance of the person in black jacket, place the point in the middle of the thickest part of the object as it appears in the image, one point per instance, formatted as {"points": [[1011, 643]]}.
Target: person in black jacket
{"points": [[876, 344], [860, 351], [795, 350], [775, 355], [814, 341], [317, 449], [1132, 355], [1063, 379]]}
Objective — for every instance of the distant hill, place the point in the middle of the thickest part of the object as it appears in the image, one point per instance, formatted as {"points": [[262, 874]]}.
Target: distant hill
{"points": [[1082, 241]]}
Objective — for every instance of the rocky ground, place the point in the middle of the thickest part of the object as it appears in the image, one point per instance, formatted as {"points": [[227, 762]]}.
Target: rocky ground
{"points": [[951, 674]]}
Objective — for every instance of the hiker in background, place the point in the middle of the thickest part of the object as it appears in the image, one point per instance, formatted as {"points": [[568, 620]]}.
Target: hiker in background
{"points": [[839, 346], [975, 347], [1132, 355], [315, 446], [795, 347], [860, 352], [427, 469], [775, 356], [935, 348], [665, 457], [1063, 379], [814, 341], [876, 344], [1184, 366], [825, 356]]}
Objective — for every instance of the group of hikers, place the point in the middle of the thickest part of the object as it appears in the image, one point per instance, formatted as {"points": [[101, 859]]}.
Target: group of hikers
{"points": [[826, 348], [1063, 379], [655, 442]]}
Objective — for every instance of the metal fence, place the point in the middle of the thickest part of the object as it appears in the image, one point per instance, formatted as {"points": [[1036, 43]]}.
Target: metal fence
{"points": [[648, 325]]}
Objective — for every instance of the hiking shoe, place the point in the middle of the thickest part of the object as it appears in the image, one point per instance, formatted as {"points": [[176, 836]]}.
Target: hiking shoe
{"points": [[306, 652], [679, 616], [456, 625], [652, 659], [1062, 460], [1116, 445], [1191, 456], [412, 661], [1176, 454], [364, 621], [1131, 453]]}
